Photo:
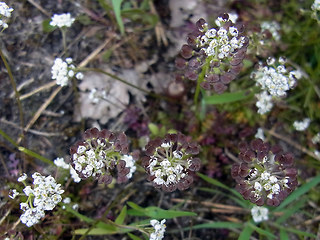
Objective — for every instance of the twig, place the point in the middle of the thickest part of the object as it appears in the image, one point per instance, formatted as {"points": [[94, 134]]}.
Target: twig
{"points": [[41, 9], [40, 110], [39, 89], [4, 166], [292, 143], [45, 134], [160, 34]]}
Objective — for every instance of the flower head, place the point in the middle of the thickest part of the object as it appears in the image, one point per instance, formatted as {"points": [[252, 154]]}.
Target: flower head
{"points": [[264, 103], [62, 20], [275, 77], [316, 5], [100, 155], [265, 174], [44, 195], [301, 125], [169, 162], [273, 27], [219, 50], [5, 13], [62, 71], [159, 229], [259, 214]]}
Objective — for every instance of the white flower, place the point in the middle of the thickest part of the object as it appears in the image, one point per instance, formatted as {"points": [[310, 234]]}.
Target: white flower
{"points": [[59, 162], [316, 5], [13, 193], [130, 163], [32, 216], [22, 177], [259, 214], [159, 229], [260, 134], [62, 20], [67, 200], [5, 12], [264, 103], [303, 125]]}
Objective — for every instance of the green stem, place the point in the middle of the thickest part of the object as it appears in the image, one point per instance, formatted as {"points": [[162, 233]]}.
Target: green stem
{"points": [[25, 150], [199, 81], [64, 39]]}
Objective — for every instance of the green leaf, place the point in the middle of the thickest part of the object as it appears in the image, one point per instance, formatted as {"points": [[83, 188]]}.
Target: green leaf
{"points": [[116, 4], [261, 231], [120, 219], [299, 192], [219, 184], [226, 97], [158, 213], [246, 233], [133, 237], [228, 225], [46, 27], [153, 129], [79, 215]]}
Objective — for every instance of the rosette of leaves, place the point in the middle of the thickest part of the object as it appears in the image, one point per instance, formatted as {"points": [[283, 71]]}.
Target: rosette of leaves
{"points": [[265, 174], [213, 56], [99, 155], [170, 162]]}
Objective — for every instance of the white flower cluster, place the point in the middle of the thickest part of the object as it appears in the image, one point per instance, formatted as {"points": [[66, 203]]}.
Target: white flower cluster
{"points": [[87, 162], [302, 125], [276, 79], [168, 168], [5, 12], [130, 163], [264, 181], [44, 196], [62, 20], [159, 229], [62, 71], [264, 103], [259, 214], [221, 43], [316, 5], [273, 27]]}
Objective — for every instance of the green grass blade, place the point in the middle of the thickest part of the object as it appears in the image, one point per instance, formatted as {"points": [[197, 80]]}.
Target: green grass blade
{"points": [[227, 225], [262, 231], [246, 233], [241, 202], [219, 184], [116, 4], [298, 232], [299, 192], [283, 235], [290, 211], [134, 237]]}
